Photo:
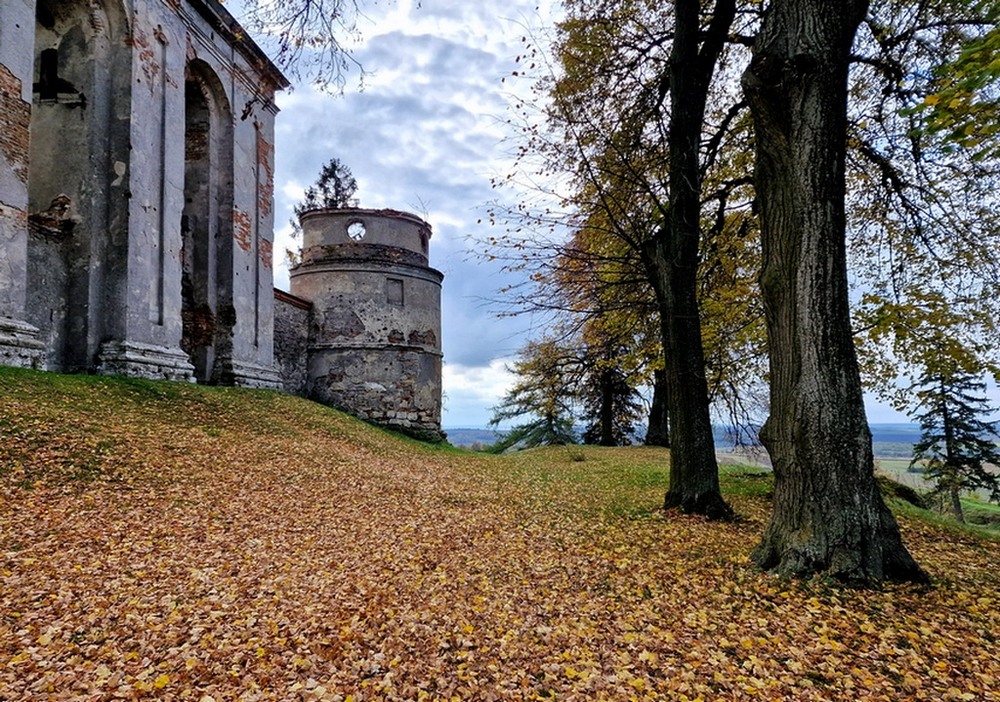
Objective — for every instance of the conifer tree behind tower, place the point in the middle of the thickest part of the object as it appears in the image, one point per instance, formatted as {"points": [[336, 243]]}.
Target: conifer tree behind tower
{"points": [[334, 189]]}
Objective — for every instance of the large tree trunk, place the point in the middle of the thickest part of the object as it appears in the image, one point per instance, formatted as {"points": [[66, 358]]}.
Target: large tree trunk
{"points": [[694, 472], [658, 431], [828, 513]]}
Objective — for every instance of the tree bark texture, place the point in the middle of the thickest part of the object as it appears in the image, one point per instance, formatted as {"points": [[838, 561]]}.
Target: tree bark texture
{"points": [[694, 472], [658, 431], [956, 503], [828, 512]]}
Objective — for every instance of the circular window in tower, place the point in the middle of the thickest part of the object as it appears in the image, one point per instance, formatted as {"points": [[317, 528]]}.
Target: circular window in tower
{"points": [[356, 230]]}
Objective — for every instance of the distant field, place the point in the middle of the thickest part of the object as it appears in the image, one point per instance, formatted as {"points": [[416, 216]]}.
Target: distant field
{"points": [[889, 440], [461, 436]]}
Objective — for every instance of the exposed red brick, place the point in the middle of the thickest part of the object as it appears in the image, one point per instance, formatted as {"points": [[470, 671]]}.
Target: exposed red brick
{"points": [[15, 121], [265, 190], [13, 214], [242, 230], [147, 56], [198, 324], [266, 253], [137, 39], [196, 141], [161, 37], [426, 338]]}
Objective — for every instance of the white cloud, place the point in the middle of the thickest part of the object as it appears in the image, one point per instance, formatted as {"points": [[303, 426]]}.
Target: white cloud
{"points": [[480, 382], [472, 391], [424, 135]]}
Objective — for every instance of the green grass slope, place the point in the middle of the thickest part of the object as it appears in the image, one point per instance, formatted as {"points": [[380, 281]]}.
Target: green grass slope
{"points": [[167, 541]]}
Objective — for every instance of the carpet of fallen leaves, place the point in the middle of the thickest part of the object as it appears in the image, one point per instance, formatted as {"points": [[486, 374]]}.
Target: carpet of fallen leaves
{"points": [[169, 542]]}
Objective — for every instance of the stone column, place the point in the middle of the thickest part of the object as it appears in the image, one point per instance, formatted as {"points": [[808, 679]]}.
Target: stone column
{"points": [[145, 340], [19, 344]]}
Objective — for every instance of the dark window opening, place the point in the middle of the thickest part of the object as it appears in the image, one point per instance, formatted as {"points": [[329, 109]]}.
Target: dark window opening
{"points": [[50, 85], [44, 17]]}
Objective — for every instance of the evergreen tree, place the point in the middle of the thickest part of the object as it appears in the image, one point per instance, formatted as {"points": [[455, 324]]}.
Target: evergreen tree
{"points": [[544, 392], [334, 189], [956, 445], [611, 407]]}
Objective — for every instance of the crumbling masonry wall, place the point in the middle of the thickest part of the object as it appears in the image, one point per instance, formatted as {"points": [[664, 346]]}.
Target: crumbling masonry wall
{"points": [[374, 342], [291, 341], [19, 343], [136, 190], [136, 220]]}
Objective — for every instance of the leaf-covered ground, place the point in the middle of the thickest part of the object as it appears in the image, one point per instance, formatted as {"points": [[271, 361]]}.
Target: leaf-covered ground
{"points": [[171, 542]]}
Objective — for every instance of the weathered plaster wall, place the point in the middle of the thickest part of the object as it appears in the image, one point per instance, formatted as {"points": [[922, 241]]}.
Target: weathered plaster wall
{"points": [[189, 46], [77, 46], [19, 344], [136, 220], [96, 120], [252, 224]]}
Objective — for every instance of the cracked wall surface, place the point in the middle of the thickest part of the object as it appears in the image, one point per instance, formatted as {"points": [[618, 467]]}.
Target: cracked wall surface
{"points": [[136, 221], [136, 214], [374, 338]]}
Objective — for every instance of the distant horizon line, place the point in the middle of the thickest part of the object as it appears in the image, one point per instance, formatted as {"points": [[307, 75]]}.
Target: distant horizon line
{"points": [[871, 424]]}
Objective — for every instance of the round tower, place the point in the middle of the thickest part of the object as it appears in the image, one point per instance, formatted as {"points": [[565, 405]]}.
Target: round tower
{"points": [[375, 332]]}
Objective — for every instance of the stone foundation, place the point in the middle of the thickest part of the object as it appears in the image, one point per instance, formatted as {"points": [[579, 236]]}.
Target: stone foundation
{"points": [[19, 345], [395, 386], [246, 375], [144, 361]]}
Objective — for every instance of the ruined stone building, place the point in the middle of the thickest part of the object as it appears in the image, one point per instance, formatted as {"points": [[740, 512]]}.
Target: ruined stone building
{"points": [[136, 196], [136, 219], [362, 327]]}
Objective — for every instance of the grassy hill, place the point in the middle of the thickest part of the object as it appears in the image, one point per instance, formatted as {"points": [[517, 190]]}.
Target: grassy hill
{"points": [[167, 541]]}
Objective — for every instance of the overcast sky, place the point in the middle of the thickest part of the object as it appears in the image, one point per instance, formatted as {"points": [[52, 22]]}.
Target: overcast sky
{"points": [[425, 135]]}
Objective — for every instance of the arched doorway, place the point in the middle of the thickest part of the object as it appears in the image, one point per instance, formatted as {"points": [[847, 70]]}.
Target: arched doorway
{"points": [[206, 249]]}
